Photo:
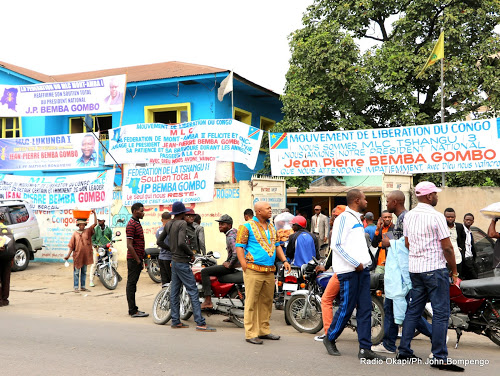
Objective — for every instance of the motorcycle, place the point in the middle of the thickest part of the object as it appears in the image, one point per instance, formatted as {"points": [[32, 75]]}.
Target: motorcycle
{"points": [[475, 307], [303, 310], [228, 294], [151, 263], [106, 266]]}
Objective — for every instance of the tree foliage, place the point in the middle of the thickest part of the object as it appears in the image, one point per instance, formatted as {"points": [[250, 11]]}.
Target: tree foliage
{"points": [[334, 85]]}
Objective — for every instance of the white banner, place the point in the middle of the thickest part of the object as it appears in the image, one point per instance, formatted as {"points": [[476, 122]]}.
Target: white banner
{"points": [[455, 146], [196, 141], [59, 152], [163, 185], [91, 96], [82, 191]]}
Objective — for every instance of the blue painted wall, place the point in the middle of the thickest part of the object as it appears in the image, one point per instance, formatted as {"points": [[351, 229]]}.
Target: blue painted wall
{"points": [[202, 98]]}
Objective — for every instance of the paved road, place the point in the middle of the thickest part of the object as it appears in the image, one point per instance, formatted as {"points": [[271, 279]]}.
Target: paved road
{"points": [[64, 346]]}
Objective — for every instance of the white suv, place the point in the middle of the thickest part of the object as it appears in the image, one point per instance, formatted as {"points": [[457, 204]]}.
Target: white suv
{"points": [[21, 220]]}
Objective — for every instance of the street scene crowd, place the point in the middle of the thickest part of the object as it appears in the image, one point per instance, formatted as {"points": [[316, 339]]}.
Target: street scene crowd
{"points": [[423, 249]]}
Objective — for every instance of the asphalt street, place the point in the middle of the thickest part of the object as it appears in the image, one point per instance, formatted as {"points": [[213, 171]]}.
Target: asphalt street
{"points": [[49, 330], [31, 345]]}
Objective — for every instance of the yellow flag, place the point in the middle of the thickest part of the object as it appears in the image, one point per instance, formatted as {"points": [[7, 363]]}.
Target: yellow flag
{"points": [[436, 54]]}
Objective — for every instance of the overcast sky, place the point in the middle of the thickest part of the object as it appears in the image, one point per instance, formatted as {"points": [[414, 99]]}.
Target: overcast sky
{"points": [[56, 37]]}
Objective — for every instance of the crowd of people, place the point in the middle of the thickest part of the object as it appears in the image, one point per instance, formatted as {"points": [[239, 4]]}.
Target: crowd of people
{"points": [[417, 254]]}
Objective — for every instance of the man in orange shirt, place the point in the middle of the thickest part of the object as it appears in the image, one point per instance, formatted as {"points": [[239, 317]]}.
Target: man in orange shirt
{"points": [[384, 227]]}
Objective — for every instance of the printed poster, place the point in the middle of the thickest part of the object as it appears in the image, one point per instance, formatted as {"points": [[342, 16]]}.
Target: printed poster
{"points": [[456, 146], [192, 142], [59, 152], [165, 184], [93, 96], [47, 193]]}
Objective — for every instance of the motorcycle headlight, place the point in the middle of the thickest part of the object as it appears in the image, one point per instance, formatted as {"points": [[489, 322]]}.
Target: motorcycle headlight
{"points": [[101, 252]]}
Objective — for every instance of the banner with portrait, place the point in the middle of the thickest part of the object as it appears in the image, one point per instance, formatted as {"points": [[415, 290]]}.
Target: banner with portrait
{"points": [[456, 146], [47, 193], [192, 142], [163, 185], [92, 96], [59, 152]]}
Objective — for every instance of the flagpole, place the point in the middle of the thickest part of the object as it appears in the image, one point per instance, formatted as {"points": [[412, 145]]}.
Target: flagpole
{"points": [[443, 175]]}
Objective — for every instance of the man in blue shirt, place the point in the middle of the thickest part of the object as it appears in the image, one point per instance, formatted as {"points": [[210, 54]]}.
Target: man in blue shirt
{"points": [[371, 227], [302, 245]]}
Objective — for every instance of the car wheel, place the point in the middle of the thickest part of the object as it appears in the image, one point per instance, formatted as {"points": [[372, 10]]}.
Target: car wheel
{"points": [[21, 258]]}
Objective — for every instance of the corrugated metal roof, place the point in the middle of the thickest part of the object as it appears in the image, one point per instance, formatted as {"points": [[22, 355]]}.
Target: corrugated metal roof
{"points": [[134, 74]]}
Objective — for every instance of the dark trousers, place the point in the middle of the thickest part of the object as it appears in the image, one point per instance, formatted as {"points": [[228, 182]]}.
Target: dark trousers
{"points": [[183, 275], [354, 293], [434, 286], [469, 269], [5, 266], [134, 272], [165, 271], [391, 328], [217, 271]]}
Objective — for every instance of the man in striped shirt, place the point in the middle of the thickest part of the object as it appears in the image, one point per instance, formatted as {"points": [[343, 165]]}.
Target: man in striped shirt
{"points": [[135, 257], [428, 239]]}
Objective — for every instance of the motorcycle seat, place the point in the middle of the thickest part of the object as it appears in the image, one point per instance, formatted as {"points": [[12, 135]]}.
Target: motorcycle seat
{"points": [[481, 288], [236, 277], [152, 251], [375, 281]]}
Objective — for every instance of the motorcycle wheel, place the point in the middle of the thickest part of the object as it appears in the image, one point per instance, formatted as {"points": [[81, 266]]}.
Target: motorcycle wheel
{"points": [[154, 270], [161, 307], [493, 333], [186, 309], [108, 277], [377, 320], [312, 322], [284, 309], [238, 321]]}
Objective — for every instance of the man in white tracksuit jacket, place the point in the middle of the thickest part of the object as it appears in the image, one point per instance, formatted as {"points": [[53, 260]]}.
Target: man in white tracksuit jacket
{"points": [[350, 260]]}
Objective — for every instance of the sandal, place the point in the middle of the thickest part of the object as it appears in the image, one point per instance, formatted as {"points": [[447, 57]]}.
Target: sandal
{"points": [[179, 326], [84, 289], [76, 290], [205, 328]]}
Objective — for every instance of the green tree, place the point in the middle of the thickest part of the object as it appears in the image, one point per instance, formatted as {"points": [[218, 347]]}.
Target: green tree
{"points": [[333, 85]]}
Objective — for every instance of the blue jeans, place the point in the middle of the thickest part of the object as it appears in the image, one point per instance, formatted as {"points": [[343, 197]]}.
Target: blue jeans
{"points": [[79, 275], [433, 286], [183, 275], [354, 293], [391, 328]]}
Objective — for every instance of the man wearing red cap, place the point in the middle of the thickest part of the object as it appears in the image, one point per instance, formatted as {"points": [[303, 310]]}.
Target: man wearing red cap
{"points": [[428, 239], [302, 245]]}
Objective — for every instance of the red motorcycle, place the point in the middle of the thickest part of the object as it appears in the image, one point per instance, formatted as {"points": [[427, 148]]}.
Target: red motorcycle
{"points": [[475, 307], [228, 294]]}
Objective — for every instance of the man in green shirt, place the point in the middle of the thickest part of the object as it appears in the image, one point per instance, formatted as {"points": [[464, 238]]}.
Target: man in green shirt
{"points": [[101, 237]]}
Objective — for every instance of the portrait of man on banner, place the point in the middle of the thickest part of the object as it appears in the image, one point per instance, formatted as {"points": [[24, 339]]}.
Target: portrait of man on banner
{"points": [[114, 101], [89, 154]]}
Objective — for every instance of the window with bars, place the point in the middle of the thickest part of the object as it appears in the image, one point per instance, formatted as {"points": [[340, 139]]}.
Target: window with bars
{"points": [[11, 127]]}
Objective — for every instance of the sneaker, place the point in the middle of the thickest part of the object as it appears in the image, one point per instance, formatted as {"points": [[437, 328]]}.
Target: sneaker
{"points": [[369, 354], [205, 328], [406, 357], [381, 349], [331, 348], [320, 338], [140, 314], [447, 367], [91, 284]]}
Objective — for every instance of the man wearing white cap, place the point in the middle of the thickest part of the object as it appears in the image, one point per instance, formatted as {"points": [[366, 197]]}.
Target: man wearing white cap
{"points": [[428, 239]]}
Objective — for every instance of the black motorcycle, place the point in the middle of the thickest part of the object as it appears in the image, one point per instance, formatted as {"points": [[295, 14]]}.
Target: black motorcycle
{"points": [[152, 265]]}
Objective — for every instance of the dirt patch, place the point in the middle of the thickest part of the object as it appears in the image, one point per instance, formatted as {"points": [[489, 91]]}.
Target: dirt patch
{"points": [[47, 289]]}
